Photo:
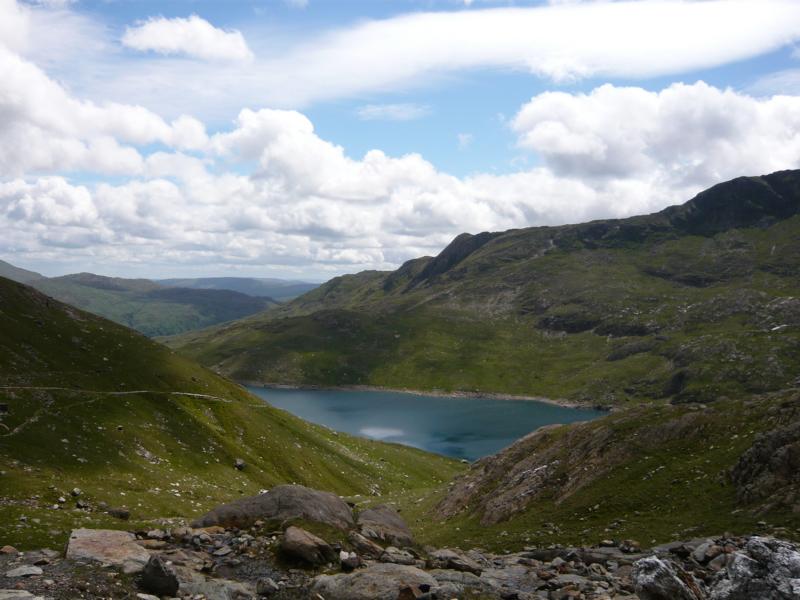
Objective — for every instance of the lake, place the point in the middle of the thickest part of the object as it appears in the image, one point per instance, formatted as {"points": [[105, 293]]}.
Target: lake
{"points": [[467, 428]]}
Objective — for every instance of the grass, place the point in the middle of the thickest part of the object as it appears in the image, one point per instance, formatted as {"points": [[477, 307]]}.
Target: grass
{"points": [[118, 432]]}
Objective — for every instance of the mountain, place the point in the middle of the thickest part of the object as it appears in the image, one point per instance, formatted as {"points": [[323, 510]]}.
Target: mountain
{"points": [[693, 303], [86, 403], [149, 307], [281, 290], [13, 273]]}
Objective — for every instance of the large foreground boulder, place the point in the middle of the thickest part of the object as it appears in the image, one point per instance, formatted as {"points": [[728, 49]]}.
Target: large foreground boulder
{"points": [[385, 524], [766, 569], [378, 582], [282, 503], [108, 546]]}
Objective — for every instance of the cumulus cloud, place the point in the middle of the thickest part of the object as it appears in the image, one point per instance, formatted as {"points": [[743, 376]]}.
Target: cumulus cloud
{"points": [[688, 134], [193, 36], [393, 112]]}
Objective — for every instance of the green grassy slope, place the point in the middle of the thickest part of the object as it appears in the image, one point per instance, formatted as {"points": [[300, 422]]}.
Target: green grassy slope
{"points": [[693, 303], [149, 307], [281, 290], [650, 473], [97, 406]]}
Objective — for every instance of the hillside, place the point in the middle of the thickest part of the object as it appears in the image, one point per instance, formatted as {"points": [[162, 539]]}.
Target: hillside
{"points": [[86, 403], [281, 290], [13, 273], [693, 303], [149, 307]]}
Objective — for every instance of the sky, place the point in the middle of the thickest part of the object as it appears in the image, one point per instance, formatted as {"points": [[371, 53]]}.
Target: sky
{"points": [[310, 138]]}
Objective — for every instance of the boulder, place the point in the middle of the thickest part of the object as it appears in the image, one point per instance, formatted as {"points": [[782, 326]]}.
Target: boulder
{"points": [[363, 546], [385, 524], [159, 578], [300, 544], [767, 569], [18, 595], [282, 503], [454, 560], [24, 571], [378, 582], [117, 548], [218, 589], [397, 556], [655, 579]]}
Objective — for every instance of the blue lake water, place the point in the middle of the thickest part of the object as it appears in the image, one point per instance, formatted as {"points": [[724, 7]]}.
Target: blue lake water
{"points": [[460, 427]]}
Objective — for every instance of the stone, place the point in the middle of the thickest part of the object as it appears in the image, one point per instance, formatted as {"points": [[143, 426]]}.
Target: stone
{"points": [[455, 560], [385, 524], [76, 492], [363, 546], [24, 571], [9, 550], [377, 582], [239, 464], [147, 597], [300, 544], [218, 589], [766, 568], [281, 504], [159, 578], [117, 548], [18, 595], [267, 587], [119, 513], [396, 556], [655, 579], [349, 561]]}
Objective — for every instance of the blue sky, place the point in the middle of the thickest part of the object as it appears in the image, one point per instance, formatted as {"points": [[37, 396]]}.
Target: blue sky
{"points": [[308, 139]]}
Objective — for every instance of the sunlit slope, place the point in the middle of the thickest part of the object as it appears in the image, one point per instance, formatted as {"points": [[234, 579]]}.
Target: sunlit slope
{"points": [[96, 406], [693, 303]]}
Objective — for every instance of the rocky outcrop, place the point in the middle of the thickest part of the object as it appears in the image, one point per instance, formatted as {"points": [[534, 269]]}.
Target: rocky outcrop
{"points": [[116, 548], [768, 473], [378, 582], [767, 569], [299, 544], [383, 523], [281, 504], [657, 580]]}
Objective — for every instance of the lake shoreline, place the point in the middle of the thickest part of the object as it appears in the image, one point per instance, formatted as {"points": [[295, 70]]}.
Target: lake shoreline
{"points": [[433, 393]]}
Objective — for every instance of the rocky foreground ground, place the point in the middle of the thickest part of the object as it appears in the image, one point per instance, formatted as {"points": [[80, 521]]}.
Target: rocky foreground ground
{"points": [[263, 546]]}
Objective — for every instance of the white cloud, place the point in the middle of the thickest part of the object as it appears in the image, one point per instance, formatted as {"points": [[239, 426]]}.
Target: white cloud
{"points": [[393, 112], [687, 134], [192, 36]]}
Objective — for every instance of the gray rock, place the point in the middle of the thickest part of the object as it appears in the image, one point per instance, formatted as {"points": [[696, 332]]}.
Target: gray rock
{"points": [[159, 578], [117, 548], [24, 571], [218, 589], [385, 524], [655, 579], [398, 557], [300, 544], [378, 582], [267, 587], [766, 569], [18, 595], [455, 560], [363, 546], [280, 504], [239, 464]]}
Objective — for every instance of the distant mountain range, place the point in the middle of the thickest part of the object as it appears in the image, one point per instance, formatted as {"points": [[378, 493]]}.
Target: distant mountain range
{"points": [[692, 303], [281, 290], [165, 307]]}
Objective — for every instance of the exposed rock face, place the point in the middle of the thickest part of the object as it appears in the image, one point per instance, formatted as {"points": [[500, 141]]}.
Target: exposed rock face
{"points": [[768, 473], [385, 524], [159, 578], [300, 544], [767, 569], [117, 548], [658, 580], [455, 560], [378, 582], [365, 547], [282, 503]]}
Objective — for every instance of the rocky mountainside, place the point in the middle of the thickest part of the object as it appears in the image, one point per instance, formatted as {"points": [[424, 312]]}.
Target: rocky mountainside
{"points": [[299, 543], [150, 307], [99, 423], [693, 303]]}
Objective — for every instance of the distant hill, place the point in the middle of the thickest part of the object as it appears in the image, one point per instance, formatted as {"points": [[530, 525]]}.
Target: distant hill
{"points": [[148, 307], [90, 404], [13, 273], [281, 290], [693, 303]]}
